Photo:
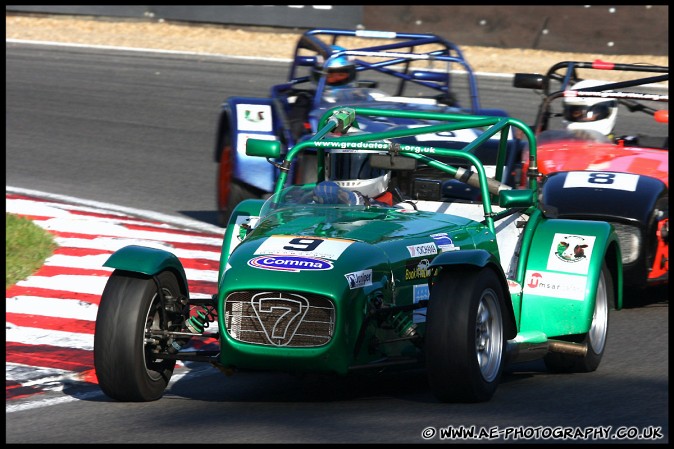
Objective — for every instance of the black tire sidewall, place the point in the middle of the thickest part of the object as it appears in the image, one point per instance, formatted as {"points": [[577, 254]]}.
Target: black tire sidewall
{"points": [[451, 357], [119, 355]]}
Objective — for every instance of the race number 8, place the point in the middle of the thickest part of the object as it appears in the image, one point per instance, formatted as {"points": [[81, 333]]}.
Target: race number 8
{"points": [[598, 179], [601, 178]]}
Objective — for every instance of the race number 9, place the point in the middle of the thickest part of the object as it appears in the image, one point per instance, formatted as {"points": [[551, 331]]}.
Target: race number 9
{"points": [[300, 244]]}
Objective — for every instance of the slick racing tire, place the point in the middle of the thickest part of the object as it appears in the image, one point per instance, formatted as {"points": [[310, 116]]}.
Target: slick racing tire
{"points": [[594, 339], [124, 359], [465, 335]]}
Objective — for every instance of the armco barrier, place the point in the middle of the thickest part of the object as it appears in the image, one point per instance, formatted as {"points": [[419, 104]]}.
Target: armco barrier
{"points": [[601, 29]]}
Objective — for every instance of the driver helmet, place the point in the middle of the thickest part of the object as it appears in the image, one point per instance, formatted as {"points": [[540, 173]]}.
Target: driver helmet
{"points": [[352, 172], [339, 71], [590, 113]]}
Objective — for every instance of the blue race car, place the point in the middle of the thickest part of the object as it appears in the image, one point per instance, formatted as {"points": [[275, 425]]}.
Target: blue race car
{"points": [[404, 71]]}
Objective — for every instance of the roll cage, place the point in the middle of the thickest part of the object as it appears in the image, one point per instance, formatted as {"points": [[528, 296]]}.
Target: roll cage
{"points": [[338, 120], [409, 59], [560, 78]]}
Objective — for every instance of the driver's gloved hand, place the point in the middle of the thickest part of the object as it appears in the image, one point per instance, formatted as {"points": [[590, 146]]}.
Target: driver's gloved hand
{"points": [[328, 192]]}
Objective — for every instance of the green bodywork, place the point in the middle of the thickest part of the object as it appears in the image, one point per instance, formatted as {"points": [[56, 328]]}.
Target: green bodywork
{"points": [[547, 296], [148, 261]]}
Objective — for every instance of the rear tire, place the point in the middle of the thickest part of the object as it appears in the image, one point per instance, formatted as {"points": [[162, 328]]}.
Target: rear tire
{"points": [[465, 336], [595, 339], [125, 365]]}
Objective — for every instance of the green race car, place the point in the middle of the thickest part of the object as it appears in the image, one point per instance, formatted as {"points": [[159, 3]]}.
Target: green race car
{"points": [[375, 265]]}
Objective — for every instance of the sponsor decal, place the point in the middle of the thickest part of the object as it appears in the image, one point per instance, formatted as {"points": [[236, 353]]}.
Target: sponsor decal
{"points": [[244, 224], [371, 146], [444, 242], [557, 285], [254, 117], [297, 245], [571, 253], [291, 264], [420, 292], [514, 287], [417, 149], [602, 179], [425, 249], [417, 270], [359, 279], [353, 145], [612, 94]]}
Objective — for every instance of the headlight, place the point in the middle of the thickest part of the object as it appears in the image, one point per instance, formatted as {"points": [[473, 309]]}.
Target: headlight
{"points": [[630, 241]]}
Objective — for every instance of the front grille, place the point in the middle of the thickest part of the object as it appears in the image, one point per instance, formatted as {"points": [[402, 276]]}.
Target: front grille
{"points": [[277, 318], [630, 241]]}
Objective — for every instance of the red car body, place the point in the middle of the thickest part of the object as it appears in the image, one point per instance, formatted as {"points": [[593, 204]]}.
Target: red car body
{"points": [[623, 180]]}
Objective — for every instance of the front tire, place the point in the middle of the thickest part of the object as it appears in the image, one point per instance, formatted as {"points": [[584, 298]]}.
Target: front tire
{"points": [[595, 338], [465, 335], [124, 355]]}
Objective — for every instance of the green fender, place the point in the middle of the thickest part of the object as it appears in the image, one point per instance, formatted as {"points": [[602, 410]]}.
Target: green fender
{"points": [[478, 258], [559, 296], [148, 261]]}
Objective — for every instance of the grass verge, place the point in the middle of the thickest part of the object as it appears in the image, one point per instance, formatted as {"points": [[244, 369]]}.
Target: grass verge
{"points": [[26, 248]]}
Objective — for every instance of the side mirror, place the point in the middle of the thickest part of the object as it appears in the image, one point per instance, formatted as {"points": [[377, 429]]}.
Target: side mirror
{"points": [[528, 81], [270, 149], [516, 198], [662, 116]]}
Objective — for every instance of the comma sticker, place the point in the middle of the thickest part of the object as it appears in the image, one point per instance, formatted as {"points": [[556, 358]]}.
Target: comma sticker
{"points": [[292, 264]]}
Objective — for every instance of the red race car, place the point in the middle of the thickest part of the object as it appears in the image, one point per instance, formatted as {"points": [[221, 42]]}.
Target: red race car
{"points": [[594, 162]]}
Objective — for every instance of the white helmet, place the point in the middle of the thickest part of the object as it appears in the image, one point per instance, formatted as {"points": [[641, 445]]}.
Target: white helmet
{"points": [[352, 171], [590, 113], [339, 71]]}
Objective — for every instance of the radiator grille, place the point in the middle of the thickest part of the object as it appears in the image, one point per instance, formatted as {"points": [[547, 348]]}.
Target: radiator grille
{"points": [[277, 318]]}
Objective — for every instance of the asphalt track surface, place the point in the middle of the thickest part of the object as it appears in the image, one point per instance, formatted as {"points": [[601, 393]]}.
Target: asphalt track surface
{"points": [[105, 148]]}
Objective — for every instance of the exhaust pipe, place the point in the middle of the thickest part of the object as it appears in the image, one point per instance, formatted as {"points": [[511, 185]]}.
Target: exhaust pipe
{"points": [[566, 347], [526, 352]]}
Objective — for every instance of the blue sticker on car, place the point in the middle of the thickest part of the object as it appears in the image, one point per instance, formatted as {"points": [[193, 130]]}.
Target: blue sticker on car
{"points": [[292, 264]]}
